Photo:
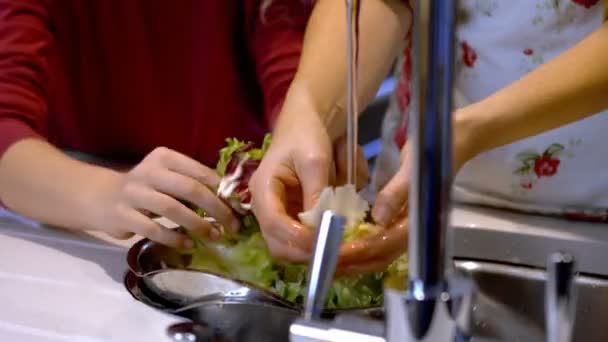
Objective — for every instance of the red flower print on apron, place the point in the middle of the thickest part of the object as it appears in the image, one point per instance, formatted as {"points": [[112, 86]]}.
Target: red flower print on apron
{"points": [[469, 55]]}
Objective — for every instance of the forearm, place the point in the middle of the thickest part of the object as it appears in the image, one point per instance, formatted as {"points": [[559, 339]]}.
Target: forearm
{"points": [[43, 184], [320, 83], [568, 88]]}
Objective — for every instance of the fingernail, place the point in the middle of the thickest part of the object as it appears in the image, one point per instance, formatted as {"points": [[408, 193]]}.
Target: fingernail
{"points": [[380, 215], [188, 243]]}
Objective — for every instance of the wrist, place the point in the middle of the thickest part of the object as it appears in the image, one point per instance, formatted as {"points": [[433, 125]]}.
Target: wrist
{"points": [[334, 120], [97, 196], [300, 102], [467, 141]]}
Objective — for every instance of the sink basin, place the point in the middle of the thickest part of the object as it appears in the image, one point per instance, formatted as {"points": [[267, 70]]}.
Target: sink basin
{"points": [[508, 306], [521, 291]]}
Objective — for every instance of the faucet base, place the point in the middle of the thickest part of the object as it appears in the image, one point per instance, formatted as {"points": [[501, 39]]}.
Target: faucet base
{"points": [[448, 313]]}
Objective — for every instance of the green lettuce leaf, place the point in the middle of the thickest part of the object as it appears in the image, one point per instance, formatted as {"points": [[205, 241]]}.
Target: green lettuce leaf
{"points": [[249, 260], [245, 256], [396, 273], [361, 231], [233, 145]]}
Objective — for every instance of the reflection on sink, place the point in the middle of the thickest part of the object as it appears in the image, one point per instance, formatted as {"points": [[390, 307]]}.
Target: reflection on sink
{"points": [[521, 290]]}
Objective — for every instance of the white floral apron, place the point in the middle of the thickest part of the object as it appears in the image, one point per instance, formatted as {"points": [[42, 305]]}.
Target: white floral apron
{"points": [[560, 172]]}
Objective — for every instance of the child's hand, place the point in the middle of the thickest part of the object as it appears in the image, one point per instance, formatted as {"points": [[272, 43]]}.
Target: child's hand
{"points": [[392, 201]]}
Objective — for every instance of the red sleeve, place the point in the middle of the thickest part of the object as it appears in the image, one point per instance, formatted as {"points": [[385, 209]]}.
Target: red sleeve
{"points": [[276, 43], [24, 43]]}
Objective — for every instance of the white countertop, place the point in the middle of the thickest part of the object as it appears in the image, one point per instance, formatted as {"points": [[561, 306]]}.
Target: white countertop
{"points": [[62, 286]]}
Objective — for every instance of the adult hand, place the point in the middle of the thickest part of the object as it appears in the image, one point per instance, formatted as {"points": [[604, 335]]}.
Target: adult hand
{"points": [[341, 165], [290, 178], [156, 186], [298, 166], [374, 253]]}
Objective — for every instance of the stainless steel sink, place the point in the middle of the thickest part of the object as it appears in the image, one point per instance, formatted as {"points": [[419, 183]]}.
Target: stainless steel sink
{"points": [[512, 303], [508, 307]]}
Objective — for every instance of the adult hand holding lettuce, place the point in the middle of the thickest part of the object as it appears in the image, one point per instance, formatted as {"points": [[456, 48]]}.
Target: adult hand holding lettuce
{"points": [[300, 162], [298, 166], [244, 255], [117, 203]]}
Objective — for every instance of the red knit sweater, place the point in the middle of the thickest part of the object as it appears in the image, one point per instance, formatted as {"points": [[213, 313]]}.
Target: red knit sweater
{"points": [[120, 77]]}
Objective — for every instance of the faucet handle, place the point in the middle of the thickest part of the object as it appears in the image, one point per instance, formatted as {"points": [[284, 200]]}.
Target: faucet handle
{"points": [[323, 264], [560, 297]]}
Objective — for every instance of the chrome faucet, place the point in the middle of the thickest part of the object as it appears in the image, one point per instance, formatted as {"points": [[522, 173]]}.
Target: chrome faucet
{"points": [[431, 139], [422, 311], [438, 304]]}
